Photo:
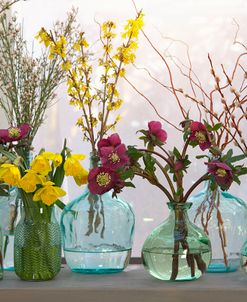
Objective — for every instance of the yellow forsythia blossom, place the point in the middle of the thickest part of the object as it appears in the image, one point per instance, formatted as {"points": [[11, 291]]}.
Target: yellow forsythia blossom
{"points": [[49, 193], [41, 165], [30, 180], [55, 157], [43, 37], [10, 174]]}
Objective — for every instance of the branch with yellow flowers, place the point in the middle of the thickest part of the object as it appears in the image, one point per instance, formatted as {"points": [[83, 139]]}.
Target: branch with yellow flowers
{"points": [[83, 92]]}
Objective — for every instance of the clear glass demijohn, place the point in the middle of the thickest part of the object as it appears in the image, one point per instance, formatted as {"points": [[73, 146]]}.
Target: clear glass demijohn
{"points": [[97, 232], [224, 218]]}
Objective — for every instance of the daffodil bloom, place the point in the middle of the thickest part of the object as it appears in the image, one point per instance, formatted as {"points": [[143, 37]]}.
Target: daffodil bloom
{"points": [[55, 157], [41, 165], [49, 193], [30, 180], [82, 177], [10, 174], [72, 166]]}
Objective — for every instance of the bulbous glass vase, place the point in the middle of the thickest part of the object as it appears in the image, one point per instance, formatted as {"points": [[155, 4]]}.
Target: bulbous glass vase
{"points": [[37, 244], [97, 232], [223, 217], [244, 257], [8, 217], [177, 250], [1, 255]]}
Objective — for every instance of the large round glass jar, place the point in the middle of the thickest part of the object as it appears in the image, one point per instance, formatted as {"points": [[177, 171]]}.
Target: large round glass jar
{"points": [[224, 218], [97, 233], [177, 250]]}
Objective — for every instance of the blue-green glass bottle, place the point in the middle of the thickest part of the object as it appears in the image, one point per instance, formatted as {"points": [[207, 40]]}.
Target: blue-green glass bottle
{"points": [[244, 257], [177, 250], [224, 218], [8, 218], [1, 255], [97, 233]]}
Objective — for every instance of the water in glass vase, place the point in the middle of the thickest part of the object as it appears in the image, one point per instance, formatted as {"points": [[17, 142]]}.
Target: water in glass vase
{"points": [[101, 261], [160, 264]]}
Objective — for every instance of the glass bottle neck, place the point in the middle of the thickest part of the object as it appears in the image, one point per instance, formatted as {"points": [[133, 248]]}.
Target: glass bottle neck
{"points": [[94, 160]]}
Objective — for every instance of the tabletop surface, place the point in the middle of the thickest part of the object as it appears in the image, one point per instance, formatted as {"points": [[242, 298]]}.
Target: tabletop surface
{"points": [[134, 284]]}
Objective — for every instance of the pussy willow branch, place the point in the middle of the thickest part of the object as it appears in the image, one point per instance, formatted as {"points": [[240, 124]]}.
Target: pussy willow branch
{"points": [[7, 5]]}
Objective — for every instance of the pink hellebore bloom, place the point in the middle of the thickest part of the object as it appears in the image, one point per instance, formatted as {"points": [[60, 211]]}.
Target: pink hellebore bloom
{"points": [[222, 173], [112, 141], [102, 180], [200, 135], [113, 153], [114, 158], [14, 133], [155, 129]]}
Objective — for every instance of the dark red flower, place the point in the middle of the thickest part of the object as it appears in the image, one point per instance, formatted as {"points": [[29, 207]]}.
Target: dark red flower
{"points": [[102, 180], [155, 129], [114, 157], [222, 173], [14, 133], [200, 135], [112, 141]]}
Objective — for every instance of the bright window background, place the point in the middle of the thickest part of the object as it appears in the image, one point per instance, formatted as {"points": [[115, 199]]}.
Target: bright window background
{"points": [[204, 25]]}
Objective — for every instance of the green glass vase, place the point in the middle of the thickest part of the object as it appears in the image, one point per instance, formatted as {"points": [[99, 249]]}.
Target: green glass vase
{"points": [[37, 244], [177, 250]]}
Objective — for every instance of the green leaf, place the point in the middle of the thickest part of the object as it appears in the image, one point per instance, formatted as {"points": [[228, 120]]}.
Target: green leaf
{"points": [[149, 163], [127, 174], [176, 153], [129, 184], [133, 153], [217, 126], [201, 156], [237, 158]]}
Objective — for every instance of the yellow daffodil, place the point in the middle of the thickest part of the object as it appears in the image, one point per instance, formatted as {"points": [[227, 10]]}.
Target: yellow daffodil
{"points": [[41, 165], [72, 166], [30, 180], [55, 157], [10, 174], [49, 193], [82, 177]]}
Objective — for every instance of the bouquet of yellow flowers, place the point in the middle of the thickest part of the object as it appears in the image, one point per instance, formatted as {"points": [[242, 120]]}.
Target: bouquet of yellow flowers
{"points": [[37, 236]]}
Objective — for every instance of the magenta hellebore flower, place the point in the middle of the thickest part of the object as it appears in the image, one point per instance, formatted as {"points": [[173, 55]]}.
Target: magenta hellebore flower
{"points": [[222, 173], [14, 133], [155, 129], [102, 180], [200, 135], [112, 141], [112, 152]]}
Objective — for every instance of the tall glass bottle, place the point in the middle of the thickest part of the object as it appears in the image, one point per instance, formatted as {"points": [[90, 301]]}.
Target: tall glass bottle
{"points": [[177, 250], [8, 218], [224, 218], [97, 232], [1, 255]]}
